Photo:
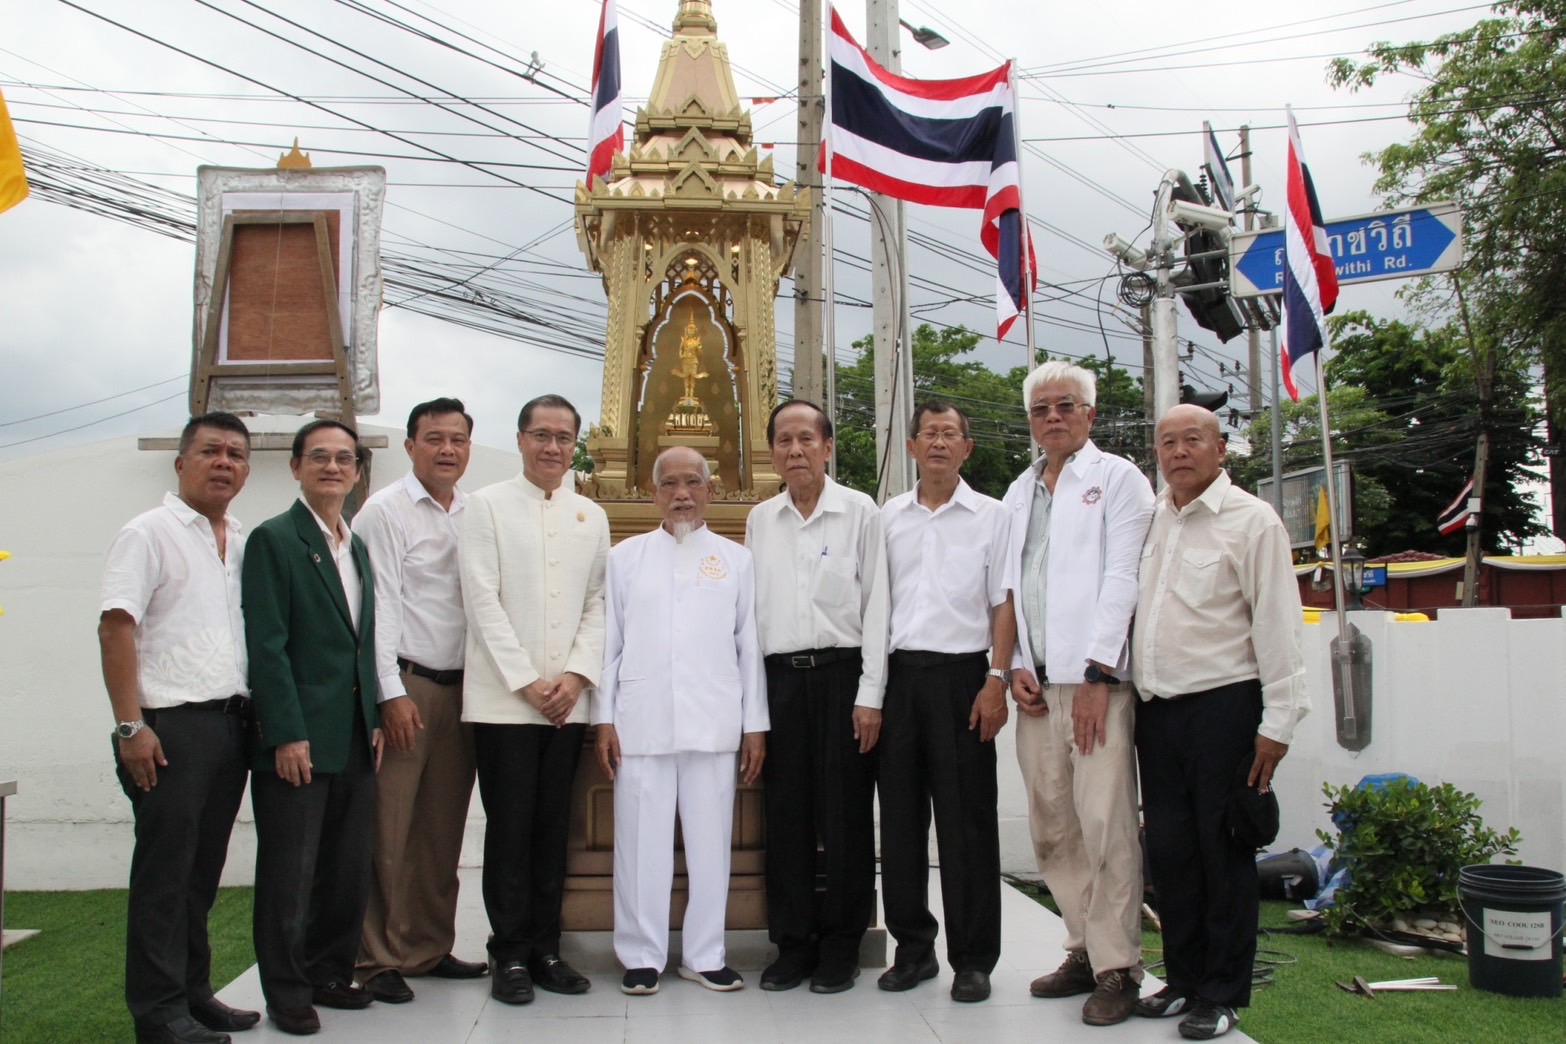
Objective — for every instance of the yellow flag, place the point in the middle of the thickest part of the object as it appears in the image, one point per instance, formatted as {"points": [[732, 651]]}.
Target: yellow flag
{"points": [[13, 179], [1323, 520]]}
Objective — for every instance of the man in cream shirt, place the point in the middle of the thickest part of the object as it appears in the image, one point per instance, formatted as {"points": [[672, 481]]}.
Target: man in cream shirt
{"points": [[682, 691], [533, 554]]}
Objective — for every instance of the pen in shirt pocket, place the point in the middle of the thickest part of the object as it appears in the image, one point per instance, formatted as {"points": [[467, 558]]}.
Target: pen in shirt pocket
{"points": [[823, 551]]}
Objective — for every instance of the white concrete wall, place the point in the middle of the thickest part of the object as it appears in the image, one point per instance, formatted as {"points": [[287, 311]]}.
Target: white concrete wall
{"points": [[1474, 699]]}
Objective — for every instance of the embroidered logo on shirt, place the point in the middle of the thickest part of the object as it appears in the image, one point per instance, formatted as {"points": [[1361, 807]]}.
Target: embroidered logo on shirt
{"points": [[581, 516], [1092, 496], [712, 568]]}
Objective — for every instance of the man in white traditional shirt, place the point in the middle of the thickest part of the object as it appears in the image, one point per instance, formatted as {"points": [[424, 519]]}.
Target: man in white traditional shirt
{"points": [[533, 554], [426, 778], [952, 635], [173, 648], [682, 691], [821, 610], [1221, 674], [1078, 516]]}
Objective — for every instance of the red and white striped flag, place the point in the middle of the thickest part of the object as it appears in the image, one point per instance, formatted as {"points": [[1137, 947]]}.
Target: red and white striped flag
{"points": [[1455, 516], [1310, 280], [606, 131]]}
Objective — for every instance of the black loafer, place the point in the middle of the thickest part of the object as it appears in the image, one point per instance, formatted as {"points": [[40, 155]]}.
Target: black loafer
{"points": [[900, 977], [788, 971], [449, 967], [971, 986], [301, 1022], [389, 986], [509, 983], [342, 995], [551, 973], [215, 1015], [183, 1030]]}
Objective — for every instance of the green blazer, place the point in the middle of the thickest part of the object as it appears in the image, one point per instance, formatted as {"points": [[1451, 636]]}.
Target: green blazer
{"points": [[310, 671]]}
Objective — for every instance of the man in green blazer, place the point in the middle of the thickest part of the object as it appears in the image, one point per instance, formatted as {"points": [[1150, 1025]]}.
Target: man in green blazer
{"points": [[309, 607]]}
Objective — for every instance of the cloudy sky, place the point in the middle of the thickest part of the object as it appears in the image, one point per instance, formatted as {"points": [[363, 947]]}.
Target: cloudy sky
{"points": [[95, 313]]}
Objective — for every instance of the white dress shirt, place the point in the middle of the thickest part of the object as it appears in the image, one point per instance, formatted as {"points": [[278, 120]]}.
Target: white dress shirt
{"points": [[821, 581], [1219, 603], [533, 593], [947, 569], [340, 543], [412, 542], [1098, 519], [163, 568], [682, 664]]}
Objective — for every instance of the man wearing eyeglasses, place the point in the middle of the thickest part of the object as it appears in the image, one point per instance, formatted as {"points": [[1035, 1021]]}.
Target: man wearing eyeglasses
{"points": [[952, 635], [533, 555], [309, 607], [1078, 518]]}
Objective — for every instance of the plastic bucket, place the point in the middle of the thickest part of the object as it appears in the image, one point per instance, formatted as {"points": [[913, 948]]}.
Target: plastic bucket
{"points": [[1514, 928]]}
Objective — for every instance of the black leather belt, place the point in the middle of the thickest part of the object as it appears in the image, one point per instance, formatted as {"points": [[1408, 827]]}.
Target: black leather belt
{"points": [[235, 704], [918, 659], [812, 658], [451, 677]]}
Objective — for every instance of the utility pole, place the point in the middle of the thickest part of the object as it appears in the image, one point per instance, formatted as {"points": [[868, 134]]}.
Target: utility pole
{"points": [[1166, 348], [1484, 372], [1252, 334], [892, 377], [809, 286]]}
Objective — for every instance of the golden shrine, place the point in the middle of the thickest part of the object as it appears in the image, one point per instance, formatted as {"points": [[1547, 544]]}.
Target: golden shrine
{"points": [[691, 233]]}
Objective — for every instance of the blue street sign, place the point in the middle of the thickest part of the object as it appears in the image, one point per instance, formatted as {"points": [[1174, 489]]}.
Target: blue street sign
{"points": [[1391, 244]]}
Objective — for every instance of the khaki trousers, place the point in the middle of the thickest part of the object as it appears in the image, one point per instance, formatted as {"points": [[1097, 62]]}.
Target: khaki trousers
{"points": [[1082, 815], [421, 810]]}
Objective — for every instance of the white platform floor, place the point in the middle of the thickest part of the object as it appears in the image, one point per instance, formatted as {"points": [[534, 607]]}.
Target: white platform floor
{"points": [[446, 1012]]}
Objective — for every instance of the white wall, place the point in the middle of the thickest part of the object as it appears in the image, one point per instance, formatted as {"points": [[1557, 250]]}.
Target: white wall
{"points": [[1474, 698]]}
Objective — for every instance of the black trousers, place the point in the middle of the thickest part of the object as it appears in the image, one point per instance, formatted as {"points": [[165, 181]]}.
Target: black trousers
{"points": [[313, 869], [182, 830], [819, 790], [525, 773], [1189, 750], [929, 756]]}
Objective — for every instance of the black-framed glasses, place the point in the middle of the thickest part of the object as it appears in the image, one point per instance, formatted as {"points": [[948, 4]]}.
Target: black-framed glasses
{"points": [[321, 458]]}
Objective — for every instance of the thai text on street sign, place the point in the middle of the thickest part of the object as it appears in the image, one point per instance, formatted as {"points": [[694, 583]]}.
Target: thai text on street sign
{"points": [[1389, 244]]}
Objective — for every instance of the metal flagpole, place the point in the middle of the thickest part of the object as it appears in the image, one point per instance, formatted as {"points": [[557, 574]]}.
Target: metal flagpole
{"points": [[1022, 206], [828, 280], [1345, 651]]}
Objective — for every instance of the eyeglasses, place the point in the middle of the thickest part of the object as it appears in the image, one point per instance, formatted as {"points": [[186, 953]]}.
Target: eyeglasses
{"points": [[1065, 407], [321, 458], [540, 437], [946, 435]]}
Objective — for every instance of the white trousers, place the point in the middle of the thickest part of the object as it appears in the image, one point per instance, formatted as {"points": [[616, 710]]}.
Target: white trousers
{"points": [[647, 790]]}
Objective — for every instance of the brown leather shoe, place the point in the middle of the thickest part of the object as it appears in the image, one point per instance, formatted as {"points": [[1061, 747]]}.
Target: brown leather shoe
{"points": [[1114, 998], [450, 967], [1073, 977], [301, 1022], [343, 995], [215, 1015]]}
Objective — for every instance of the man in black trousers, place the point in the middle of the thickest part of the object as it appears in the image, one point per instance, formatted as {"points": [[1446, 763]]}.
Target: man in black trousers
{"points": [[952, 633], [173, 650]]}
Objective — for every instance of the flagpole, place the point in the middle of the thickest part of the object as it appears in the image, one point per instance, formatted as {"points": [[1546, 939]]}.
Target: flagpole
{"points": [[1022, 206], [828, 280], [1345, 651]]}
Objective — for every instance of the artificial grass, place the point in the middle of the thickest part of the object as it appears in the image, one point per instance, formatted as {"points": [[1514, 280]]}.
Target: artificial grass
{"points": [[1304, 1006], [67, 984]]}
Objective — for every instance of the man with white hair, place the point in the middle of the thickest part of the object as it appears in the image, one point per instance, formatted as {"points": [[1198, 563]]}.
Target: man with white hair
{"points": [[1079, 517], [682, 690]]}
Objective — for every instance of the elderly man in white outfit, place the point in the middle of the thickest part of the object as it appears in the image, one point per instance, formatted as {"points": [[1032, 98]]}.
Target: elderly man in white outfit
{"points": [[682, 690]]}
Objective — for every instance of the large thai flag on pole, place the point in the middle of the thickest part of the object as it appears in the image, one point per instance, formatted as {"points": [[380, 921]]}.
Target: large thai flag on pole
{"points": [[947, 143], [606, 131], [1310, 281]]}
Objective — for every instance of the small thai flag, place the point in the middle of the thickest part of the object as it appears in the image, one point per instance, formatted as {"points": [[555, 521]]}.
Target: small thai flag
{"points": [[606, 132]]}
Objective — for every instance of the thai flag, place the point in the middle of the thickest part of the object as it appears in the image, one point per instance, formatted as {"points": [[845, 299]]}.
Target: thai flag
{"points": [[1457, 513], [947, 143], [606, 131], [1310, 282]]}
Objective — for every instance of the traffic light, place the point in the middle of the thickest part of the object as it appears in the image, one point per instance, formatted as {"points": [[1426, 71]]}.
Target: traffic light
{"points": [[1211, 307], [1214, 401]]}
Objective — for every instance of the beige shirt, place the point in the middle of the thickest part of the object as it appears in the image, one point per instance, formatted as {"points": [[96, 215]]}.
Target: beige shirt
{"points": [[533, 593], [1218, 603]]}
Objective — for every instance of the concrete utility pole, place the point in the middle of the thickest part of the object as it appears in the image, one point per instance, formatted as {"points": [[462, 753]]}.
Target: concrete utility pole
{"points": [[1166, 348], [809, 287], [1253, 400], [889, 256]]}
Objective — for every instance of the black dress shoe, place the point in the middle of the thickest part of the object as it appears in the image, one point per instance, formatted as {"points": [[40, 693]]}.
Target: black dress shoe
{"points": [[971, 986], [790, 969], [215, 1015], [551, 973], [344, 995], [900, 977], [301, 1022], [510, 983], [389, 986], [449, 967], [834, 979], [183, 1030]]}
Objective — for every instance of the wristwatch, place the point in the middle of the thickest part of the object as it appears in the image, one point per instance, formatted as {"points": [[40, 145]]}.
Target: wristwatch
{"points": [[1093, 674], [127, 729], [996, 672]]}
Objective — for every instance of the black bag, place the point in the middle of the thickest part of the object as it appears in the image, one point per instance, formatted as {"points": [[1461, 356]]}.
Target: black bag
{"points": [[1252, 818]]}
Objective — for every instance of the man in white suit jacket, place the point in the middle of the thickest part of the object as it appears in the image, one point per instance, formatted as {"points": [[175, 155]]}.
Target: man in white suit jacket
{"points": [[533, 555], [1079, 517], [682, 691]]}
